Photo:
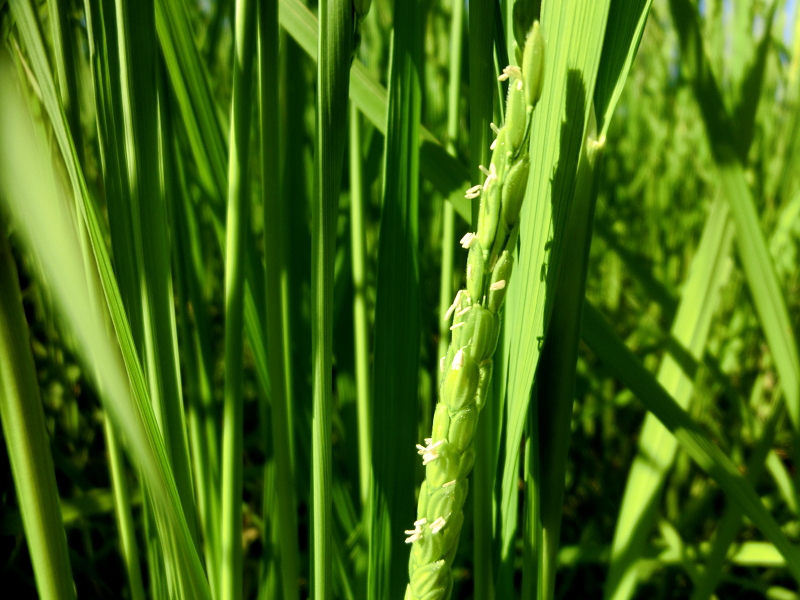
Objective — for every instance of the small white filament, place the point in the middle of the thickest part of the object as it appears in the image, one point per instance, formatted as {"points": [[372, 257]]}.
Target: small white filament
{"points": [[454, 305], [491, 175]]}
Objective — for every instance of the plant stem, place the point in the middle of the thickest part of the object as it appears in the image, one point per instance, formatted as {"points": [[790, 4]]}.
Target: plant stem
{"points": [[27, 441], [448, 219], [237, 230], [482, 93], [122, 509], [275, 225], [360, 318], [333, 77]]}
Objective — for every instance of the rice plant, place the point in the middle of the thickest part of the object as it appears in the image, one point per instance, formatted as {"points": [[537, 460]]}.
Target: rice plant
{"points": [[252, 254]]}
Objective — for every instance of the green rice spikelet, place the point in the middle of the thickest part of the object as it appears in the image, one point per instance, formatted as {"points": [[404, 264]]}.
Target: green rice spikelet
{"points": [[466, 369]]}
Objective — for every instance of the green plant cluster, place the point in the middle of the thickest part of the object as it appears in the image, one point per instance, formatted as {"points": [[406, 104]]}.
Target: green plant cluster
{"points": [[233, 298]]}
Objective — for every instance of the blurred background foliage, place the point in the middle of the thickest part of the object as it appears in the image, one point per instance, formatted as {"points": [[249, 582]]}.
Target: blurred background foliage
{"points": [[656, 187]]}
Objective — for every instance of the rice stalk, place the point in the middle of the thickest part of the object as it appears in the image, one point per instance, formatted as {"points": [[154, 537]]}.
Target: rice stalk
{"points": [[333, 76], [146, 176], [64, 45], [122, 504], [481, 97], [397, 292], [275, 220], [447, 174], [448, 219], [237, 224], [23, 421], [360, 317]]}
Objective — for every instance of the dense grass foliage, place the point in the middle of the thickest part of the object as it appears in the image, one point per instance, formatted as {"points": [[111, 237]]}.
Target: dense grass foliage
{"points": [[229, 240]]}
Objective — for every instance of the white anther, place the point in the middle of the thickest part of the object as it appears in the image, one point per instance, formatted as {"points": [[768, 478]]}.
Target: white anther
{"points": [[416, 533], [467, 240], [519, 85], [510, 71], [493, 145], [457, 325], [441, 363], [498, 285], [449, 483], [438, 525], [474, 191], [495, 128], [413, 538], [485, 171], [429, 452], [458, 360], [464, 311], [429, 457]]}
